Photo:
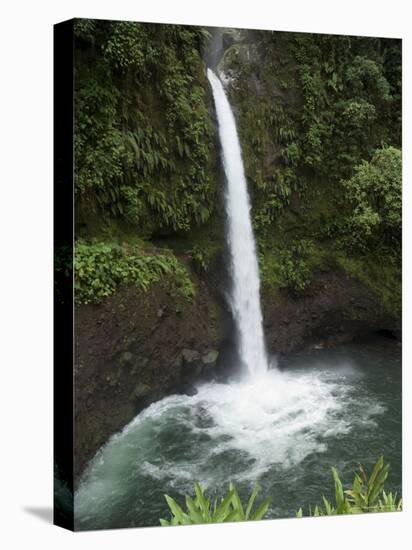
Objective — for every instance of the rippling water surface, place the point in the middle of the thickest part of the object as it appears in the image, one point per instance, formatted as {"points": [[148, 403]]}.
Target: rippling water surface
{"points": [[284, 430]]}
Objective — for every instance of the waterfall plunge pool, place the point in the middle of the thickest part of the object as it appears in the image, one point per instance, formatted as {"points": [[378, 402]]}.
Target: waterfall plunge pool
{"points": [[284, 430]]}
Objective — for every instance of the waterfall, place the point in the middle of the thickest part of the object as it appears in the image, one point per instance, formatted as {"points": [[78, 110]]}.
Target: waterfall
{"points": [[245, 293]]}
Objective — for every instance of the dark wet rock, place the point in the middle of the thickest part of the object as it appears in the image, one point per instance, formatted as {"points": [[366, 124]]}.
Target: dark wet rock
{"points": [[210, 358], [191, 372], [178, 362], [190, 356], [228, 39], [142, 390], [335, 309], [187, 389], [139, 365], [126, 358], [338, 339]]}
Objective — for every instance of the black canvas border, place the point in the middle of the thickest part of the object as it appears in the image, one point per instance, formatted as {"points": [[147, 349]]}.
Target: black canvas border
{"points": [[63, 322]]}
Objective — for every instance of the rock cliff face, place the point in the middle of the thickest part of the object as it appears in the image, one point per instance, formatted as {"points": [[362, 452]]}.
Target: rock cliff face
{"points": [[336, 309], [136, 348]]}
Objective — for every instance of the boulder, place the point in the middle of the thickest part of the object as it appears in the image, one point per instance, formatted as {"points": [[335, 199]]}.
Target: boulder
{"points": [[141, 390], [192, 365], [178, 362], [190, 356], [210, 357], [188, 389]]}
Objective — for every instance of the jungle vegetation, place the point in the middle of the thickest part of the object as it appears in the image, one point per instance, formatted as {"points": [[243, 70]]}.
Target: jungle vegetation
{"points": [[319, 118]]}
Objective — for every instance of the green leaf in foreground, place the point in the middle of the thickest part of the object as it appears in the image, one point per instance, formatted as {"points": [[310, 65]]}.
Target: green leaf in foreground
{"points": [[365, 494], [229, 508]]}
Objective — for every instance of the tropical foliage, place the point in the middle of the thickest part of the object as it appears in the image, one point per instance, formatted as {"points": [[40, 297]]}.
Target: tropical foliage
{"points": [[319, 119], [143, 142], [100, 267], [375, 193], [366, 494], [201, 509]]}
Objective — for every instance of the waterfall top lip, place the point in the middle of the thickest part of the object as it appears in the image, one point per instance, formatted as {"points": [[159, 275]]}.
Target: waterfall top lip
{"points": [[220, 76], [210, 72], [213, 74]]}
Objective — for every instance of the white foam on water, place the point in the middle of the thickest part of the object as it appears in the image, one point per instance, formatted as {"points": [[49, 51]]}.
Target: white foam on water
{"points": [[237, 431]]}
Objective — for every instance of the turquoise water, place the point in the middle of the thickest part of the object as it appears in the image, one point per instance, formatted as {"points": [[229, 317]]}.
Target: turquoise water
{"points": [[322, 408]]}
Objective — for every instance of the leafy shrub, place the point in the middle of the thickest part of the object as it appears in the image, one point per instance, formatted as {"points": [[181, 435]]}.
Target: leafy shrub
{"points": [[200, 258], [365, 494], [207, 246], [375, 193], [295, 270], [127, 45], [344, 86], [365, 75], [101, 267], [201, 510]]}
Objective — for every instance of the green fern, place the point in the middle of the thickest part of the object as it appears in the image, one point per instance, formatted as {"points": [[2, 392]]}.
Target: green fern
{"points": [[101, 267]]}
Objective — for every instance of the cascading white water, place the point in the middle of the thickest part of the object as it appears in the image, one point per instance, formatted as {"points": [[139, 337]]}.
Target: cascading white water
{"points": [[322, 405], [245, 296]]}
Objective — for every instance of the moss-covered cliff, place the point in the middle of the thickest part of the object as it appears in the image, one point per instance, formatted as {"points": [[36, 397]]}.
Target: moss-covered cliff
{"points": [[319, 123], [319, 119]]}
